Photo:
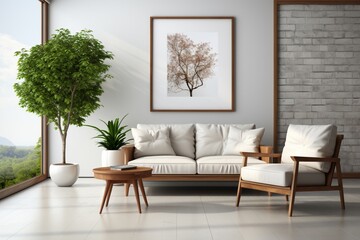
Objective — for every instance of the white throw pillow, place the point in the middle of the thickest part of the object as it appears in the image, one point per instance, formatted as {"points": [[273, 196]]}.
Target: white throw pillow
{"points": [[151, 142], [240, 140], [182, 137], [211, 138], [310, 141]]}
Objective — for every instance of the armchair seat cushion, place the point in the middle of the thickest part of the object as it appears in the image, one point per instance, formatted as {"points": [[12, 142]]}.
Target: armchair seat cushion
{"points": [[281, 175], [167, 164], [223, 164]]}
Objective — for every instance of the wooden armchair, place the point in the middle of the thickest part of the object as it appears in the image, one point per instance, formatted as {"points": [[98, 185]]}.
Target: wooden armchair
{"points": [[308, 172]]}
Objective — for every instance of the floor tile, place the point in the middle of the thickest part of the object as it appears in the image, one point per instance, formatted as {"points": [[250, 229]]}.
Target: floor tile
{"points": [[206, 212]]}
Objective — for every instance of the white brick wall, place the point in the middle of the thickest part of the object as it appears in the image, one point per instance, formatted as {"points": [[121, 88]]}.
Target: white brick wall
{"points": [[319, 72]]}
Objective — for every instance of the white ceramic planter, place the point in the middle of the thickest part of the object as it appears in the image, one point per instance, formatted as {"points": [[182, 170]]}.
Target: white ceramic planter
{"points": [[111, 158], [64, 175]]}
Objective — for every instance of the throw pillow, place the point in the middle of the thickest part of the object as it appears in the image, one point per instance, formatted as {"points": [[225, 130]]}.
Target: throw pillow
{"points": [[243, 141], [151, 142], [211, 138]]}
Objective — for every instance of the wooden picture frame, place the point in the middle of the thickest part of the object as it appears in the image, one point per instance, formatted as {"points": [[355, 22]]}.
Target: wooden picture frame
{"points": [[192, 64]]}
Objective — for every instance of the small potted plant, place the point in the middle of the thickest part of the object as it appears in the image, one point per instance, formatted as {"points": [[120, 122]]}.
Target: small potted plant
{"points": [[61, 80], [112, 139]]}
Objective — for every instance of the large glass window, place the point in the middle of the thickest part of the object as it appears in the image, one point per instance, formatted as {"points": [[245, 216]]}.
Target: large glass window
{"points": [[20, 131]]}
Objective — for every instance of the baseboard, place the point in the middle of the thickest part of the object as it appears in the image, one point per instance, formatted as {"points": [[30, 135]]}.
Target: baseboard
{"points": [[351, 175]]}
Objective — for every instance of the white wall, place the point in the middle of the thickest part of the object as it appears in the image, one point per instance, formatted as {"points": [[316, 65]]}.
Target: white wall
{"points": [[123, 26]]}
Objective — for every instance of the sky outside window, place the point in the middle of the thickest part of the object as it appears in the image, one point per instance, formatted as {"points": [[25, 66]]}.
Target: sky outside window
{"points": [[19, 28]]}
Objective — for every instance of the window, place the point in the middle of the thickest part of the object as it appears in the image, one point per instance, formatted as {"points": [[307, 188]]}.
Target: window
{"points": [[21, 141]]}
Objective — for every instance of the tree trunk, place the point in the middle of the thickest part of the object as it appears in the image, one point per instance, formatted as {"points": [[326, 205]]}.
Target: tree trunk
{"points": [[63, 138], [191, 92]]}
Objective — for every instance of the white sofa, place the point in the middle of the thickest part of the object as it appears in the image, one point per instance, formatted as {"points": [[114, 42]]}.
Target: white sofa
{"points": [[194, 152]]}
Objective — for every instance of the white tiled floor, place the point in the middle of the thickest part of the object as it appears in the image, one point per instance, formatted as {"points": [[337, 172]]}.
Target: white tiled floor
{"points": [[49, 212]]}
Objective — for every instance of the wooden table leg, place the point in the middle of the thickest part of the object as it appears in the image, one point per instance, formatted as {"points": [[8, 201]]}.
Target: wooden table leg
{"points": [[107, 187], [137, 194], [126, 187], [109, 193], [143, 191]]}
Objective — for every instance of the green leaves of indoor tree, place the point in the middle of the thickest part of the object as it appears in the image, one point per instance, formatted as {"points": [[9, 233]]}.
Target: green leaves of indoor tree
{"points": [[114, 136], [62, 78]]}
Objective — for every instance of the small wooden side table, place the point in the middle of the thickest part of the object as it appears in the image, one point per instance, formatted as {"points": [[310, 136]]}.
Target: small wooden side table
{"points": [[131, 176]]}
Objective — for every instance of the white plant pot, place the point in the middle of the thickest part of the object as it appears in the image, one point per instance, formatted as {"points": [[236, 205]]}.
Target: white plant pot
{"points": [[64, 175], [111, 158]]}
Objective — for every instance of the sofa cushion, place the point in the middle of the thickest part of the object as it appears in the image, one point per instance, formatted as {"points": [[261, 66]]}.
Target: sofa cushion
{"points": [[181, 136], [310, 141], [210, 138], [151, 142], [167, 164], [243, 140], [281, 175], [223, 164]]}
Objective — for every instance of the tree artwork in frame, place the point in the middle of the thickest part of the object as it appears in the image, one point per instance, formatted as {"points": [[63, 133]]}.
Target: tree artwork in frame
{"points": [[191, 64]]}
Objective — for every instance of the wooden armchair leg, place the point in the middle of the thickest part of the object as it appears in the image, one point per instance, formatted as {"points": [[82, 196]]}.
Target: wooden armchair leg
{"points": [[341, 188], [287, 197], [238, 195], [292, 201], [342, 200], [293, 187]]}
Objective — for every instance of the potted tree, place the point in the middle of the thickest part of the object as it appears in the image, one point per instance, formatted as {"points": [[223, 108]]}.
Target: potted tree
{"points": [[112, 139], [62, 81]]}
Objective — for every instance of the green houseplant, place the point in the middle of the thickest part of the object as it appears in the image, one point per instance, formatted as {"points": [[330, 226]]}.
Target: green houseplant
{"points": [[112, 138], [62, 80]]}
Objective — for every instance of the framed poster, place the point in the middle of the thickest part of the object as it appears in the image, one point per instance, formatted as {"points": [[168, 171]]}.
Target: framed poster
{"points": [[191, 64]]}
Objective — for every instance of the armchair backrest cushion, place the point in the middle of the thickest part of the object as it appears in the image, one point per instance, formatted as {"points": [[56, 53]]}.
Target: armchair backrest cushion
{"points": [[181, 137], [211, 138], [310, 141]]}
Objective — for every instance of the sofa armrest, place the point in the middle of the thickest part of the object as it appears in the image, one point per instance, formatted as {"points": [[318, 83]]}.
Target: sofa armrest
{"points": [[127, 151]]}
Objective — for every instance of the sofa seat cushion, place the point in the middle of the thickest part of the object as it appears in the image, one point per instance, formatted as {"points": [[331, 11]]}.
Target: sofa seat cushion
{"points": [[281, 175], [223, 164], [167, 164]]}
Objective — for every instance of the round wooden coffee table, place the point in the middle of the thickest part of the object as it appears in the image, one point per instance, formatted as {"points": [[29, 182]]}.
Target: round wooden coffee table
{"points": [[131, 176]]}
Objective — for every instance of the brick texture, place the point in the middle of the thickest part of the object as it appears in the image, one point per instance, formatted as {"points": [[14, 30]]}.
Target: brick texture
{"points": [[319, 72]]}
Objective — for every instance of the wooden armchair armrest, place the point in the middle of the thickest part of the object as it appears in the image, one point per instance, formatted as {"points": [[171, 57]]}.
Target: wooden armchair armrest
{"points": [[266, 149], [127, 152], [314, 159], [335, 162], [267, 157], [252, 154]]}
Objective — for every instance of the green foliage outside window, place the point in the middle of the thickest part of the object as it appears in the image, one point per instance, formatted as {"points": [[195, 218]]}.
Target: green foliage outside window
{"points": [[19, 164]]}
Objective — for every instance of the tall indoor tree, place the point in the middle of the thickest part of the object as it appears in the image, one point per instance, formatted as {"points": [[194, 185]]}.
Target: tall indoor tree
{"points": [[62, 79]]}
